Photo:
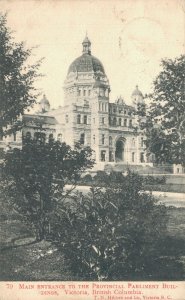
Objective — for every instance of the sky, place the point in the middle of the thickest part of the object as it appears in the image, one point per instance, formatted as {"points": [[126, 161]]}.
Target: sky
{"points": [[130, 37]]}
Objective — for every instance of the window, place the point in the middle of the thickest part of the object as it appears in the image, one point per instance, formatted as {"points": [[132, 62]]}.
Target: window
{"points": [[84, 92], [93, 120], [119, 121], [78, 119], [110, 141], [130, 123], [103, 106], [89, 92], [125, 112], [28, 135], [133, 142], [1, 136], [82, 138], [114, 110], [142, 142], [103, 139], [85, 119], [51, 137], [103, 120], [133, 156], [142, 157], [103, 152], [114, 121], [67, 119], [79, 92], [94, 139], [14, 136], [111, 157], [59, 137], [125, 122], [40, 137]]}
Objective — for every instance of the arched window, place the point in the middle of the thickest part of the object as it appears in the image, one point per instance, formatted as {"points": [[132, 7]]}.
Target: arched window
{"points": [[119, 121], [28, 135], [125, 122], [114, 121], [130, 123], [51, 137], [59, 137], [110, 141], [82, 138], [78, 119]]}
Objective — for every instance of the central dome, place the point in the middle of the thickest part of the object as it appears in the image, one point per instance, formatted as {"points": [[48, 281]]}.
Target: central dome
{"points": [[86, 62]]}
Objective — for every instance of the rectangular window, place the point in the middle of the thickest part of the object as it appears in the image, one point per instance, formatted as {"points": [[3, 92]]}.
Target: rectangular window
{"points": [[14, 137], [89, 92], [78, 119], [84, 92], [103, 120], [142, 142], [125, 122], [142, 157], [103, 139], [85, 119], [130, 123], [103, 152], [133, 156]]}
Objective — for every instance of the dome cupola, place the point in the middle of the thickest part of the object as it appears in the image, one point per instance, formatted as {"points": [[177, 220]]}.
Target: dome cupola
{"points": [[86, 78], [86, 62], [86, 45], [137, 96]]}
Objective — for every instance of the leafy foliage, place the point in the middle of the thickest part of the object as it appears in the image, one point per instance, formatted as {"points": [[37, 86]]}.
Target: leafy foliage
{"points": [[112, 233], [38, 172], [165, 125], [17, 79]]}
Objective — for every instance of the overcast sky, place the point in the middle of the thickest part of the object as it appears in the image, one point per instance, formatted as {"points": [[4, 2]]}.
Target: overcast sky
{"points": [[129, 37]]}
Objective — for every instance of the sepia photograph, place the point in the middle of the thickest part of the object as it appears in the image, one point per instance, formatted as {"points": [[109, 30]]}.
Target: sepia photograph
{"points": [[92, 147]]}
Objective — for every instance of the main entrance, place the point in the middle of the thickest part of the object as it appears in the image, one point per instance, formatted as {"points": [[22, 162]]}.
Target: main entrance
{"points": [[119, 154]]}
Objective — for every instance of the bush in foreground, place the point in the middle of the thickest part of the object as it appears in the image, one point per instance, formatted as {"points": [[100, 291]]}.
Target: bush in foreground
{"points": [[113, 233]]}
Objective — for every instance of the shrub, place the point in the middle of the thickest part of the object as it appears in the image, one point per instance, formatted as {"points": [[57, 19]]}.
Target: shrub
{"points": [[112, 233]]}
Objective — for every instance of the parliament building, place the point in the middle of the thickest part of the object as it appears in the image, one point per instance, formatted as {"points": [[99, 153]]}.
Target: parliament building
{"points": [[87, 117]]}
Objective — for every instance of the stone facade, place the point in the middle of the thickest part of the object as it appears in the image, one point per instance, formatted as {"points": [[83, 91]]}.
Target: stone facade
{"points": [[88, 117]]}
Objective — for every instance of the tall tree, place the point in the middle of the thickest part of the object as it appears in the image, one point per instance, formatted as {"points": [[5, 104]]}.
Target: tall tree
{"points": [[17, 77], [35, 176], [165, 117]]}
